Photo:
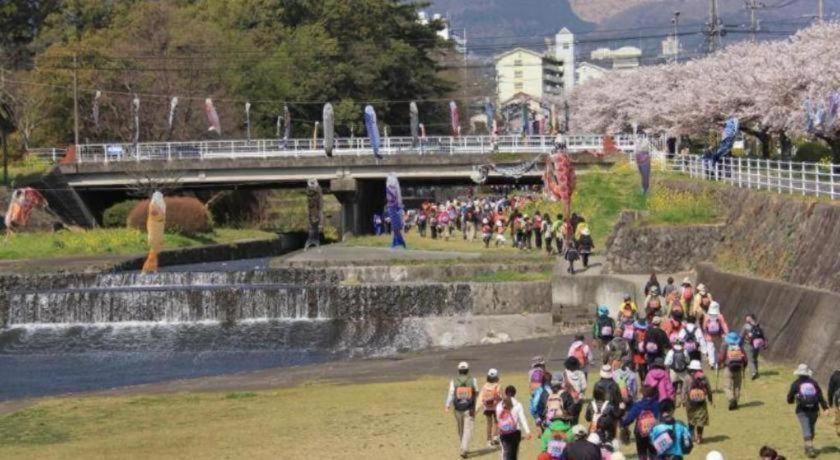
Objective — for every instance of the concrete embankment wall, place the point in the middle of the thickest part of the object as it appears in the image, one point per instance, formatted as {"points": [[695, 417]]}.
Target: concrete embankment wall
{"points": [[803, 324]]}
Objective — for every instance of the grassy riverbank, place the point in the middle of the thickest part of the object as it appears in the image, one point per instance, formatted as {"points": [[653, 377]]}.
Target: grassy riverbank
{"points": [[40, 245], [376, 420]]}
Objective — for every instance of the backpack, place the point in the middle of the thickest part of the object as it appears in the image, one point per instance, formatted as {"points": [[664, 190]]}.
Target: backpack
{"points": [[758, 339], [690, 341], [596, 415], [697, 392], [571, 390], [713, 325], [664, 441], [580, 354], [651, 347], [808, 396], [605, 328], [680, 362], [536, 377], [464, 394], [628, 332], [639, 335], [623, 387], [645, 423], [554, 407], [490, 396], [555, 448], [735, 358], [506, 422]]}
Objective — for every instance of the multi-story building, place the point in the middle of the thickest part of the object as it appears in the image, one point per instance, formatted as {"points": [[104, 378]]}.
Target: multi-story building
{"points": [[528, 72]]}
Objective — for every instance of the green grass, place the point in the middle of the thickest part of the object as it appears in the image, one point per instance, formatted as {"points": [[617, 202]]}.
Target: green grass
{"points": [[41, 245], [376, 421], [503, 276]]}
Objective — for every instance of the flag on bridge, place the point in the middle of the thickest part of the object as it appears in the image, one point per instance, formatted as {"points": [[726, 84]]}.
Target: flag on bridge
{"points": [[455, 118], [329, 129], [212, 117], [643, 162], [414, 116], [393, 198]]}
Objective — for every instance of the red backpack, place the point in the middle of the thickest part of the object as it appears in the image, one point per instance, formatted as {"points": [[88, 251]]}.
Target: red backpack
{"points": [[645, 423]]}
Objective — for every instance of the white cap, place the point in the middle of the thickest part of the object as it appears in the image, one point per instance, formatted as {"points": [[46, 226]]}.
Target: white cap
{"points": [[803, 369], [463, 365], [695, 365], [714, 308], [714, 455], [493, 373], [701, 288], [578, 430], [594, 439]]}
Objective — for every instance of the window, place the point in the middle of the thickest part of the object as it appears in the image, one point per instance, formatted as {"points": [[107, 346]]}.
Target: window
{"points": [[517, 74], [565, 46], [517, 62], [517, 85]]}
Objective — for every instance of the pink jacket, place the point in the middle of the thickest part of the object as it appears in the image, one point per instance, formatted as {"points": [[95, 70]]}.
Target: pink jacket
{"points": [[661, 379]]}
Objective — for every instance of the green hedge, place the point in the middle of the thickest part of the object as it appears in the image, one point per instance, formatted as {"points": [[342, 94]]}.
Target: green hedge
{"points": [[117, 215]]}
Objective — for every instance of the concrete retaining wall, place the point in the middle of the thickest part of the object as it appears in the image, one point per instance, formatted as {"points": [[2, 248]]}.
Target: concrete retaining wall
{"points": [[401, 273], [632, 248], [803, 324]]}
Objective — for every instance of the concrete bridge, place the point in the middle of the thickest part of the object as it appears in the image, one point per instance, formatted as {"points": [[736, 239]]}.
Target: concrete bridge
{"points": [[353, 174]]}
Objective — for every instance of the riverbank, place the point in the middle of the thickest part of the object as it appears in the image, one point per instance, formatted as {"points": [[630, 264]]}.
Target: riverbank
{"points": [[374, 408]]}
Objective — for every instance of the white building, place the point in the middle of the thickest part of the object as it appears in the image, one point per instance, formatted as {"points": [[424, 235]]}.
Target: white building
{"points": [[527, 72], [588, 71], [424, 19], [564, 51], [627, 57]]}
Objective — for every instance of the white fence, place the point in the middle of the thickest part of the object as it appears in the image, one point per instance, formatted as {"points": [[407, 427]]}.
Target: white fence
{"points": [[818, 179], [270, 148]]}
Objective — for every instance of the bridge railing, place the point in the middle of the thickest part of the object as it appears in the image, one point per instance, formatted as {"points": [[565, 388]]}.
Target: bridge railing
{"points": [[271, 148], [793, 177]]}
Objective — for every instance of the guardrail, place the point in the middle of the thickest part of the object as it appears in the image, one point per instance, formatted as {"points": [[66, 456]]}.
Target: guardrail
{"points": [[817, 179], [271, 148]]}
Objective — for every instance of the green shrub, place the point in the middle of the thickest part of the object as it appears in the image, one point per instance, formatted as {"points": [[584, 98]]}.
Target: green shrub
{"points": [[184, 215], [117, 215], [812, 152]]}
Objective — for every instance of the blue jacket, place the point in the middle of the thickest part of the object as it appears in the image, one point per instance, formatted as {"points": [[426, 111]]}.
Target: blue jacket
{"points": [[537, 404], [682, 441], [651, 404]]}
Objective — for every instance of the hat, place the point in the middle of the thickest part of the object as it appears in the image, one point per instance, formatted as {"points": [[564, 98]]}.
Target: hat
{"points": [[659, 362], [618, 456], [463, 366], [485, 221], [594, 439], [578, 431], [733, 338], [656, 320], [714, 455], [606, 371], [701, 288], [492, 373], [714, 308], [537, 360], [654, 290], [803, 369], [686, 280], [585, 231], [603, 310], [627, 297], [556, 378], [695, 365]]}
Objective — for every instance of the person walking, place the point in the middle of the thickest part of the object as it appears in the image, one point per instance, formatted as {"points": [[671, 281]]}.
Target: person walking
{"points": [[677, 362], [659, 378], [557, 231], [539, 400], [586, 246], [537, 373], [697, 394], [714, 330], [575, 384], [701, 303], [734, 361], [644, 414], [462, 395], [546, 233], [604, 328], [488, 399], [753, 335], [538, 230], [604, 411], [652, 281], [640, 328], [669, 287], [557, 426], [571, 256], [582, 352], [806, 393], [834, 398], [512, 424], [657, 342], [671, 438]]}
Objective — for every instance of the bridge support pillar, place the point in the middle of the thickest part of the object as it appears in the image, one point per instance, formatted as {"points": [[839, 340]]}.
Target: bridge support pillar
{"points": [[360, 200]]}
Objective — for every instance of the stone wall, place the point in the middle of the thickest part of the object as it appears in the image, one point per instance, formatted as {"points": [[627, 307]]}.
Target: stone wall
{"points": [[633, 248], [802, 324]]}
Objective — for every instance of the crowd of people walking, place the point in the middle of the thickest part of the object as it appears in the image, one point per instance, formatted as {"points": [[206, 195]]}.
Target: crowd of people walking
{"points": [[653, 383]]}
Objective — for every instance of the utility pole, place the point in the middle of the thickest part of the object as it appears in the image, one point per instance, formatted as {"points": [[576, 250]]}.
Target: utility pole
{"points": [[753, 5], [676, 21], [714, 28], [75, 100], [820, 9]]}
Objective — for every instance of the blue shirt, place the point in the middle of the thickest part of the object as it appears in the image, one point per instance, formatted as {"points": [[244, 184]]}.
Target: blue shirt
{"points": [[651, 404], [537, 404]]}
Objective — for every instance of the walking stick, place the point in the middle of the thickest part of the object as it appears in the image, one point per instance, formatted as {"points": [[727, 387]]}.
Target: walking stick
{"points": [[717, 377]]}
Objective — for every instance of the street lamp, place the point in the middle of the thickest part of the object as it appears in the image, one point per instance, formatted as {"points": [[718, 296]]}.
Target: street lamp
{"points": [[676, 22]]}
